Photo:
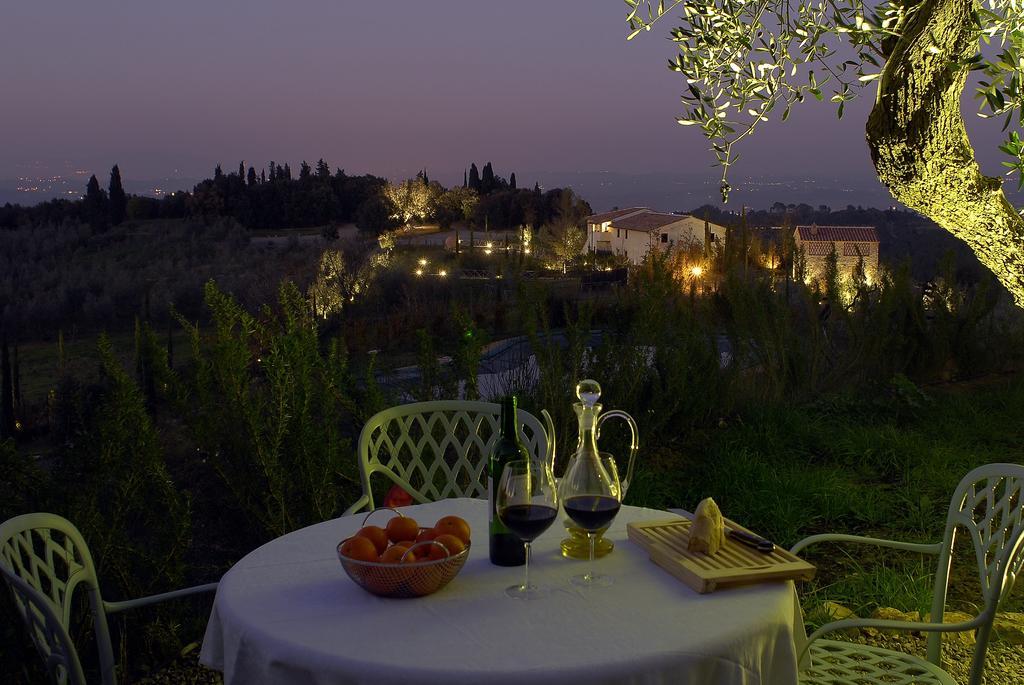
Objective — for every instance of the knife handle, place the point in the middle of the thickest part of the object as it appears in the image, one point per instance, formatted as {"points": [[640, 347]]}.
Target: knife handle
{"points": [[750, 540]]}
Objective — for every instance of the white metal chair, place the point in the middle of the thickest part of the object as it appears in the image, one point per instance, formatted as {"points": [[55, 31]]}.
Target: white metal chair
{"points": [[989, 505], [435, 450], [44, 559]]}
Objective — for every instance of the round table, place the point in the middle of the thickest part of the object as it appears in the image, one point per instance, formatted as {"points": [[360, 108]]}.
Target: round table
{"points": [[287, 613]]}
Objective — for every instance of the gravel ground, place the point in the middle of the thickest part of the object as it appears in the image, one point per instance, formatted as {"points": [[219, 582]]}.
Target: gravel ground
{"points": [[1004, 663]]}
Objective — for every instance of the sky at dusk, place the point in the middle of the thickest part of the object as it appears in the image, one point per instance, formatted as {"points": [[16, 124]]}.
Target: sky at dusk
{"points": [[386, 88]]}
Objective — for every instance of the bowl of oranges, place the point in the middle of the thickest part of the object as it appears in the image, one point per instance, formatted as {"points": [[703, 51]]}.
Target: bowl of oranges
{"points": [[402, 559]]}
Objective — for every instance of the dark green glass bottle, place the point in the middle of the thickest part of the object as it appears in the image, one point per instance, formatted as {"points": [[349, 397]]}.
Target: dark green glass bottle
{"points": [[506, 548]]}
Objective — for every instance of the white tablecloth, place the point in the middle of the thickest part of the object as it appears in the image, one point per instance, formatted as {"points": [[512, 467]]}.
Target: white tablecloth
{"points": [[287, 613]]}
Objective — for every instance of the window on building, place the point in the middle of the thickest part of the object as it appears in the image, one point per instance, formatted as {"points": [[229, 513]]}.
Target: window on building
{"points": [[664, 237], [818, 248]]}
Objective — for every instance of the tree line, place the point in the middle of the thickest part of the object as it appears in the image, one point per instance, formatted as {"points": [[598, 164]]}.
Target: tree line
{"points": [[275, 198]]}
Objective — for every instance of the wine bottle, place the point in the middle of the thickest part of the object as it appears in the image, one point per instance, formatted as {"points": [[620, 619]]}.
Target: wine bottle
{"points": [[506, 549]]}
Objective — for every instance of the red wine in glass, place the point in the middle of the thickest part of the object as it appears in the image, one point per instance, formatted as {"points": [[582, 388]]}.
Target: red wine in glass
{"points": [[527, 504], [592, 512], [528, 521]]}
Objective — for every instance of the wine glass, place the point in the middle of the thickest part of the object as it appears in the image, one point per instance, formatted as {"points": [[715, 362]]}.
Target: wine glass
{"points": [[527, 505], [591, 494]]}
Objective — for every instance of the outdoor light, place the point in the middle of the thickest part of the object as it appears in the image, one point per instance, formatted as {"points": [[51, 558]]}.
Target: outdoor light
{"points": [[419, 272], [489, 245], [423, 261], [442, 273], [526, 250], [487, 251], [696, 271]]}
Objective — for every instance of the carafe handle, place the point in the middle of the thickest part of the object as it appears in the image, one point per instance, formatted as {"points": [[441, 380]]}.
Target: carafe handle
{"points": [[634, 441], [549, 426]]}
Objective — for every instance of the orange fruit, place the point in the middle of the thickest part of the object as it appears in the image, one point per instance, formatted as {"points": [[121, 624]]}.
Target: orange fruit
{"points": [[359, 548], [426, 535], [394, 554], [454, 544], [453, 525], [402, 529], [433, 552], [375, 534]]}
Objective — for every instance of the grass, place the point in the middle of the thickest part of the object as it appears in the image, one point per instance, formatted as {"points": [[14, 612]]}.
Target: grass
{"points": [[40, 361], [851, 467]]}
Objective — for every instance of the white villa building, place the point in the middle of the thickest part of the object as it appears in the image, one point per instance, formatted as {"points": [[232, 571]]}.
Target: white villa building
{"points": [[635, 231]]}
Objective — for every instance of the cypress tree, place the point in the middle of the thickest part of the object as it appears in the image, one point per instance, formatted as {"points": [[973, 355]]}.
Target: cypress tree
{"points": [[118, 200], [273, 174], [512, 181], [218, 173], [465, 182], [94, 209], [241, 170], [474, 177], [263, 175], [487, 179], [250, 178]]}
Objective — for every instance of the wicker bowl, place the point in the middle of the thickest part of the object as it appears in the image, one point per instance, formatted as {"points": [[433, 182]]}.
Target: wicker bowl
{"points": [[403, 580]]}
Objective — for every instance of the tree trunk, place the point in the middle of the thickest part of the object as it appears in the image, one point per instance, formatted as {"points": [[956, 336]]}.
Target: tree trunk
{"points": [[920, 147]]}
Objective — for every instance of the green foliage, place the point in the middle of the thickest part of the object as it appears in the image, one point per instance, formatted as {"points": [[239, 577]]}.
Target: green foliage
{"points": [[468, 350], [377, 215], [431, 385], [744, 61], [269, 407]]}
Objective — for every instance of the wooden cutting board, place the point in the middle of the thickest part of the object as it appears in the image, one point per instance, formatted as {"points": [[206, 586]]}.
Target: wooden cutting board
{"points": [[734, 564]]}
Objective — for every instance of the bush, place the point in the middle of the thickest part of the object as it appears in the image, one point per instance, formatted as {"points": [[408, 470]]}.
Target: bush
{"points": [[272, 412]]}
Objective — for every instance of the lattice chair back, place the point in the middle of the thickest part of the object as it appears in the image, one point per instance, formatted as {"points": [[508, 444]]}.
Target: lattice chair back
{"points": [[44, 560], [436, 450], [988, 505]]}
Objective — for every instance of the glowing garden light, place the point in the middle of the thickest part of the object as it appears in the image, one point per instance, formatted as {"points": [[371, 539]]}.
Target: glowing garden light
{"points": [[696, 271]]}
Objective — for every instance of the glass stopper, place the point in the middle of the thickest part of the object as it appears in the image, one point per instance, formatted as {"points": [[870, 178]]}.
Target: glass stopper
{"points": [[588, 391]]}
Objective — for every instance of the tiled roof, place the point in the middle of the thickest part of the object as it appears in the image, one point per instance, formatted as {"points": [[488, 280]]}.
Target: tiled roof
{"points": [[833, 234], [614, 214], [647, 221]]}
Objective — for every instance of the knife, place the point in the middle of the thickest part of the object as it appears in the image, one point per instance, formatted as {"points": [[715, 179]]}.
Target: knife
{"points": [[751, 540]]}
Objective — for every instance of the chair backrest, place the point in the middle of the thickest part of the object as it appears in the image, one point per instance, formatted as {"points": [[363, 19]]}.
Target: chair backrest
{"points": [[435, 450], [44, 560], [988, 505], [48, 632]]}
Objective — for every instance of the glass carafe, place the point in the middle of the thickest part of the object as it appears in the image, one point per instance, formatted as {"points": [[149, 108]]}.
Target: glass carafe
{"points": [[588, 457]]}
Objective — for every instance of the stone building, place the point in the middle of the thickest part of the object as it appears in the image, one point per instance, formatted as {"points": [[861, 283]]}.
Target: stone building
{"points": [[852, 243]]}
